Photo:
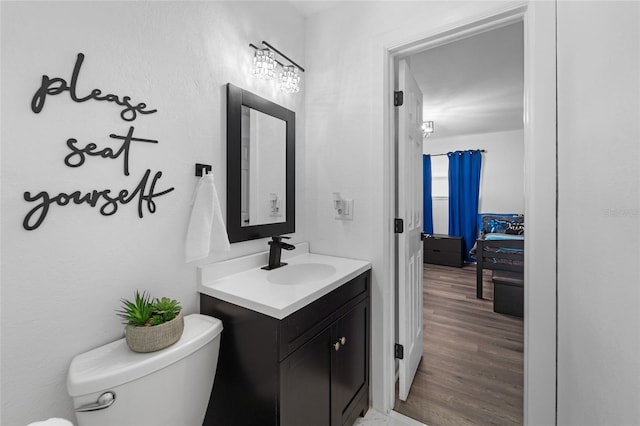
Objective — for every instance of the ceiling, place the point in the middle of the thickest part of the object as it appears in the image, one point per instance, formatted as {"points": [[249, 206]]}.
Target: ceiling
{"points": [[473, 85], [311, 7]]}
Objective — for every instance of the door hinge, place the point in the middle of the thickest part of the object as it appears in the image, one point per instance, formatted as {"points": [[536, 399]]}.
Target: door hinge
{"points": [[398, 98], [398, 226], [399, 351]]}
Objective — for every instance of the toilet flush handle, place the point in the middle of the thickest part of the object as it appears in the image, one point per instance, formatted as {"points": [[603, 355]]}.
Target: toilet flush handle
{"points": [[104, 401]]}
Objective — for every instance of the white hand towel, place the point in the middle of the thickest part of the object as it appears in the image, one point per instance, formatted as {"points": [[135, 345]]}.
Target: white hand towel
{"points": [[207, 230], [53, 421]]}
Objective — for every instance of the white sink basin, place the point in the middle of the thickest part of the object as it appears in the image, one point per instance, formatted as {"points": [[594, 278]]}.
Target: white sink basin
{"points": [[280, 292], [302, 273]]}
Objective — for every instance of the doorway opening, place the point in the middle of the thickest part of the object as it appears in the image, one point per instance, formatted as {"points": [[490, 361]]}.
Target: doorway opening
{"points": [[539, 124], [472, 367]]}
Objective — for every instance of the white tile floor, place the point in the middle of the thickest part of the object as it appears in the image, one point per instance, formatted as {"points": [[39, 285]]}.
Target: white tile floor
{"points": [[375, 418]]}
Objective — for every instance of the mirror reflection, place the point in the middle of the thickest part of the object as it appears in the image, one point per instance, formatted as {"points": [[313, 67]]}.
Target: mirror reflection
{"points": [[263, 168], [261, 139]]}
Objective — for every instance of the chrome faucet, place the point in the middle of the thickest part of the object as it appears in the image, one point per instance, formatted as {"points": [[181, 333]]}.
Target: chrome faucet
{"points": [[275, 252]]}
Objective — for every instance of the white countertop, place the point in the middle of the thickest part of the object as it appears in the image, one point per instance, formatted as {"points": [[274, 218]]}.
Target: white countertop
{"points": [[250, 288]]}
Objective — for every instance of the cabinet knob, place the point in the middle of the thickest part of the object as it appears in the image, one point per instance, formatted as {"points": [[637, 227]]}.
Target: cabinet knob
{"points": [[341, 342]]}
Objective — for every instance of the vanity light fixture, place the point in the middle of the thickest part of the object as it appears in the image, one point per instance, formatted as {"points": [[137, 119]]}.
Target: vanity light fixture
{"points": [[289, 79], [427, 128], [265, 65]]}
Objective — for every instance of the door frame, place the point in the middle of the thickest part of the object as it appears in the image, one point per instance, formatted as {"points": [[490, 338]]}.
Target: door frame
{"points": [[540, 325]]}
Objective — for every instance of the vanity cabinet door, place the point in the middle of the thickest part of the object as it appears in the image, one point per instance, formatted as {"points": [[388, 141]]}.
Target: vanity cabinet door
{"points": [[350, 365], [305, 384]]}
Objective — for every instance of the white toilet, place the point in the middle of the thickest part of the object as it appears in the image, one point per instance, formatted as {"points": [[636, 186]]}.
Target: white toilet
{"points": [[112, 385]]}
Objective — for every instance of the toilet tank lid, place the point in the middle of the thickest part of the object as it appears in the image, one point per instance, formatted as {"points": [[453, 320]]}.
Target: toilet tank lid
{"points": [[115, 364]]}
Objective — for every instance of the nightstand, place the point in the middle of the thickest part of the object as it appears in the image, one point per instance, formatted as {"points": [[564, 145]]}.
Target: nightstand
{"points": [[444, 250]]}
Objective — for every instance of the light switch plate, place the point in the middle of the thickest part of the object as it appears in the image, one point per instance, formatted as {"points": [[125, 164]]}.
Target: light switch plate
{"points": [[347, 212]]}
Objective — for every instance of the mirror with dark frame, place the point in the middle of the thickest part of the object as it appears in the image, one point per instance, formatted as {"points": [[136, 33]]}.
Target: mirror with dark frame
{"points": [[260, 167]]}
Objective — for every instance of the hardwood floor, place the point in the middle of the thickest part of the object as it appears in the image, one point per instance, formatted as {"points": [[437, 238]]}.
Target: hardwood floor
{"points": [[471, 372]]}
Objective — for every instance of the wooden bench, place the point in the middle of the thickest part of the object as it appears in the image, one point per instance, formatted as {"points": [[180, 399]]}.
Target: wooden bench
{"points": [[508, 293]]}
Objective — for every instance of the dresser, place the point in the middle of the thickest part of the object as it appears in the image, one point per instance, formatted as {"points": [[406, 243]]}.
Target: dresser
{"points": [[444, 250]]}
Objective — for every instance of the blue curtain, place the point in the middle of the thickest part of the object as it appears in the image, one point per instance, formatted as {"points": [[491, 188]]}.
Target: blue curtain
{"points": [[464, 193], [426, 192]]}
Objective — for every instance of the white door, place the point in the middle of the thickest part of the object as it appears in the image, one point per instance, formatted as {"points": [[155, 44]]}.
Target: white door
{"points": [[409, 209]]}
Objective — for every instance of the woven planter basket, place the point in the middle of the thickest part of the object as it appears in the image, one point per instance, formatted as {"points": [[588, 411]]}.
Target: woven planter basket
{"points": [[150, 339]]}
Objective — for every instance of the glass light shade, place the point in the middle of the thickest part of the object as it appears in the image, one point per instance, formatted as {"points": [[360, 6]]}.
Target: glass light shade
{"points": [[264, 64], [290, 79]]}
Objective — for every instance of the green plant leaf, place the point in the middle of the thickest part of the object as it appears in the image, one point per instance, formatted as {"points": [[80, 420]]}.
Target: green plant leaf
{"points": [[157, 320], [144, 311], [137, 313], [166, 308]]}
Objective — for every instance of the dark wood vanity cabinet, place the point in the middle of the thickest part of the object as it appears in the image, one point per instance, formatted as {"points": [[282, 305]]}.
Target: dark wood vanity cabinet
{"points": [[310, 368]]}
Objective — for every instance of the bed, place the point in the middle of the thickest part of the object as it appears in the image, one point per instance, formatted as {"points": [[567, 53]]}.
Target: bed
{"points": [[500, 246]]}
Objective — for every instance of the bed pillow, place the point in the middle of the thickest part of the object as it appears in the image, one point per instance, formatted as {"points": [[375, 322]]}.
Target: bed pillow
{"points": [[498, 224], [481, 216], [515, 228]]}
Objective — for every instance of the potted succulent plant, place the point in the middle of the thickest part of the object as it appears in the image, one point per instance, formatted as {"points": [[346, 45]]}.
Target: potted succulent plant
{"points": [[151, 324]]}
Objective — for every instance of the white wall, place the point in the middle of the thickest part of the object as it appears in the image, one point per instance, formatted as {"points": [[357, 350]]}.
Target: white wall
{"points": [[62, 282], [599, 213], [502, 174]]}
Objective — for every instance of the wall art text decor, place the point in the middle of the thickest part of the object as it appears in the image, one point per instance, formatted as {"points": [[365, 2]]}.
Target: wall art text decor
{"points": [[77, 156], [55, 86], [106, 200]]}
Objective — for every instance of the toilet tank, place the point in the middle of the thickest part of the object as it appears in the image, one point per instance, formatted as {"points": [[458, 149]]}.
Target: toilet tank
{"points": [[169, 387]]}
